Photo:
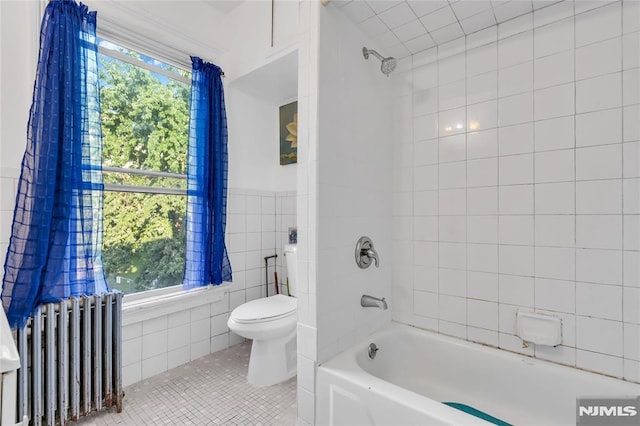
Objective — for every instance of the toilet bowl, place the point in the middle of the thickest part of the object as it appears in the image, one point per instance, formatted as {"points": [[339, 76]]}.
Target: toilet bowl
{"points": [[271, 323]]}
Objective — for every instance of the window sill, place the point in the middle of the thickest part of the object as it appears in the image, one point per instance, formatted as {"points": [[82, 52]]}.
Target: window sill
{"points": [[167, 301]]}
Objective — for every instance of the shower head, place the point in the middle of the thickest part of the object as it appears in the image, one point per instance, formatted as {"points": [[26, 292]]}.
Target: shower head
{"points": [[388, 64]]}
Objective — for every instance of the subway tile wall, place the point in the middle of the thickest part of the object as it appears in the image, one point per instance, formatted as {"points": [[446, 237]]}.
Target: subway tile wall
{"points": [[516, 184], [158, 344], [257, 223], [285, 219]]}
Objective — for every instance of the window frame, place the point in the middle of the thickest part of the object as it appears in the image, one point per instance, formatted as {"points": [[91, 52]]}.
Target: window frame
{"points": [[158, 295]]}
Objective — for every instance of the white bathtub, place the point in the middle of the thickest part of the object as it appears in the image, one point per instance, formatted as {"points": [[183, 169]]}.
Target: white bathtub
{"points": [[415, 370]]}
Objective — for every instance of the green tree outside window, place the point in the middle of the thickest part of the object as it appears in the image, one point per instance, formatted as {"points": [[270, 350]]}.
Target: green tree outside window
{"points": [[145, 119]]}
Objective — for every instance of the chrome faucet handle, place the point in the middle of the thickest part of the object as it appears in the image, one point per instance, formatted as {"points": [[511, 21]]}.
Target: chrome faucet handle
{"points": [[373, 255], [365, 253]]}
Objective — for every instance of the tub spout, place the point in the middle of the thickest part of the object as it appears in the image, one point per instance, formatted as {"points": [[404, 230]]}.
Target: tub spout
{"points": [[367, 301]]}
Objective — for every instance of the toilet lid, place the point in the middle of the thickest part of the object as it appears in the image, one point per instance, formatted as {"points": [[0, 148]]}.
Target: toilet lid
{"points": [[268, 308]]}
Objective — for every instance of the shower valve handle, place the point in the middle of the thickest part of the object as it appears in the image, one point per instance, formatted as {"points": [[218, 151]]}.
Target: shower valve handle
{"points": [[365, 253]]}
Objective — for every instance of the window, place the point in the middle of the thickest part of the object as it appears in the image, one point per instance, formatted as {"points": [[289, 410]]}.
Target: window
{"points": [[145, 121]]}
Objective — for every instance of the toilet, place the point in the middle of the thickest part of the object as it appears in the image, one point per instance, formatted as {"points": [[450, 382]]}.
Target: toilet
{"points": [[271, 323]]}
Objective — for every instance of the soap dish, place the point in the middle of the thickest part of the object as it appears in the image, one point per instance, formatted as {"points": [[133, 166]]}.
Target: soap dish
{"points": [[540, 329]]}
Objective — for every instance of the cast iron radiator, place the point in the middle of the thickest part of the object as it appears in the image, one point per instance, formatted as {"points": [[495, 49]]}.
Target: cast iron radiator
{"points": [[70, 359]]}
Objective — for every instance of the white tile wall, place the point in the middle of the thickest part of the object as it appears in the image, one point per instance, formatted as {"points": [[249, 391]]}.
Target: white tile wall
{"points": [[354, 180], [533, 203], [153, 346], [306, 182], [335, 204]]}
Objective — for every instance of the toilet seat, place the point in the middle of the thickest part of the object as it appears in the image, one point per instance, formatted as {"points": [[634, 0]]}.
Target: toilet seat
{"points": [[266, 309]]}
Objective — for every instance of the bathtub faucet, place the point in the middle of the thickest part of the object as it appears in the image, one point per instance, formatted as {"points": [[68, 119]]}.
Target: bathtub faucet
{"points": [[365, 253], [372, 254], [367, 301]]}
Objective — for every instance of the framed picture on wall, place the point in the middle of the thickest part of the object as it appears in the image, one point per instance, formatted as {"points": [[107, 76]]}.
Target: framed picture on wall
{"points": [[289, 133]]}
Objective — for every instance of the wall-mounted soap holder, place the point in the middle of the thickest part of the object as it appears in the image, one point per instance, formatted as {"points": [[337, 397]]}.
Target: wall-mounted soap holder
{"points": [[539, 329]]}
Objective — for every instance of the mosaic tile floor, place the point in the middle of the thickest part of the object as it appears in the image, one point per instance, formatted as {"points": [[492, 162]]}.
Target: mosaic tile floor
{"points": [[212, 390]]}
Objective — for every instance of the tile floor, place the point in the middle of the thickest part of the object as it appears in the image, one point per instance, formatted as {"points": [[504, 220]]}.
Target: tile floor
{"points": [[212, 390]]}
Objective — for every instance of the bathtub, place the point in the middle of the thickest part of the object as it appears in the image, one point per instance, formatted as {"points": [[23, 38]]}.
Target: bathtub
{"points": [[414, 371]]}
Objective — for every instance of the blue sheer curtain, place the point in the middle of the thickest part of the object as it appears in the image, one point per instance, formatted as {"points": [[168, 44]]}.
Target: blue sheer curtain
{"points": [[207, 261], [56, 236]]}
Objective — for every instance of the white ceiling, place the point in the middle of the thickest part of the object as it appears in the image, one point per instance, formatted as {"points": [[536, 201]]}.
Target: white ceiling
{"points": [[404, 27]]}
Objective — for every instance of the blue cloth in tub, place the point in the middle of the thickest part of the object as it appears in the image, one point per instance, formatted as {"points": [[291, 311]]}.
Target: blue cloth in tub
{"points": [[477, 413]]}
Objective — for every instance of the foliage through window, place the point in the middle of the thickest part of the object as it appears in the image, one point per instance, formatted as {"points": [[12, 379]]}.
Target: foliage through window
{"points": [[145, 121]]}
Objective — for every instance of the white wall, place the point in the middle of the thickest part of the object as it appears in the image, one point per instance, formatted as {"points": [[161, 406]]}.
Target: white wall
{"points": [[344, 191], [286, 218], [307, 192], [533, 203], [158, 343], [354, 184], [253, 120], [19, 46], [254, 145], [249, 46], [170, 31]]}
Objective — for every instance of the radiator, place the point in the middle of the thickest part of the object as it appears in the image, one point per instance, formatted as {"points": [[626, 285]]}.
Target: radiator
{"points": [[71, 359]]}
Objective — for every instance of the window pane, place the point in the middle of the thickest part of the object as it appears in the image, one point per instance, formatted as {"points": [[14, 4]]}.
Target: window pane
{"points": [[145, 121], [145, 117], [144, 240], [151, 61]]}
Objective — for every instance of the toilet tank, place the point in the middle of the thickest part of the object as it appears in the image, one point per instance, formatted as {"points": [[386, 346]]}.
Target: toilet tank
{"points": [[291, 256]]}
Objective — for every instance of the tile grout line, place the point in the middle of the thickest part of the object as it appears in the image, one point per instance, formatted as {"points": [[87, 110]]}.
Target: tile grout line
{"points": [[533, 185], [575, 190], [622, 179]]}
